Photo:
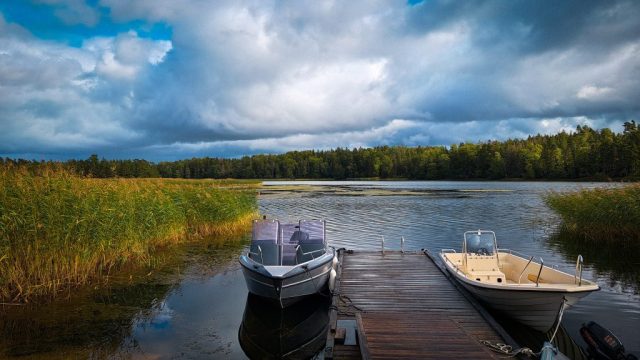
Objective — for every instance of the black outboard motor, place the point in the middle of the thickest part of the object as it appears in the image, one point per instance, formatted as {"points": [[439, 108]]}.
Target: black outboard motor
{"points": [[603, 345]]}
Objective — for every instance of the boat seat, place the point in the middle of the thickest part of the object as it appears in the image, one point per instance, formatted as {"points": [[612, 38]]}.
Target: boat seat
{"points": [[269, 254], [495, 276], [310, 248], [484, 268], [289, 254], [482, 262], [298, 236]]}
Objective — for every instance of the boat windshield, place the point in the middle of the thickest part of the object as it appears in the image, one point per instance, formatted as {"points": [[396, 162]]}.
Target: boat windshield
{"points": [[480, 242], [264, 243], [274, 243]]}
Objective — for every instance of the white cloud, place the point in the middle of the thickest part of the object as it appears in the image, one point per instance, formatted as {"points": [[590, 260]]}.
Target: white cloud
{"points": [[263, 75], [325, 97], [591, 92], [50, 93], [125, 55]]}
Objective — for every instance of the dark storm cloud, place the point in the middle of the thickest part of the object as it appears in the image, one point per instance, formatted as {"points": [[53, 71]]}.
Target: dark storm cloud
{"points": [[233, 78]]}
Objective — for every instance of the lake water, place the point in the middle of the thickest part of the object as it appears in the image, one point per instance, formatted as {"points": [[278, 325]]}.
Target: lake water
{"points": [[196, 310]]}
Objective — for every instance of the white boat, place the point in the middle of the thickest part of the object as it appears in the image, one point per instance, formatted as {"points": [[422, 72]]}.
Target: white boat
{"points": [[288, 261], [519, 287]]}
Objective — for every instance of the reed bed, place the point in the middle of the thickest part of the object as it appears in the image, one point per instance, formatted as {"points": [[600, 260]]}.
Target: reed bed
{"points": [[58, 230], [600, 214]]}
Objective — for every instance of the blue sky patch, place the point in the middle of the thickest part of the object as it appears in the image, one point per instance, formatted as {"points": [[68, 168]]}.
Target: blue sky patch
{"points": [[243, 77], [41, 20]]}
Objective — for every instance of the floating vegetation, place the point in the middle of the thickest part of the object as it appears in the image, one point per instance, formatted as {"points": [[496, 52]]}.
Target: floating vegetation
{"points": [[58, 230], [298, 190]]}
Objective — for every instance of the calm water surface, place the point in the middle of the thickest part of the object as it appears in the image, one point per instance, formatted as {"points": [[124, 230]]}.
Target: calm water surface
{"points": [[199, 313]]}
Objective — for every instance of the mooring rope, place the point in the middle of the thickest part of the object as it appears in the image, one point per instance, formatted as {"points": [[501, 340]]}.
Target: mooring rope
{"points": [[559, 318], [505, 349], [348, 303], [508, 349]]}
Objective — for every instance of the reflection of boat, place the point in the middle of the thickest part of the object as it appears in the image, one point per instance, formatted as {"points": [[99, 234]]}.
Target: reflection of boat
{"points": [[297, 332], [521, 288], [288, 261], [533, 339]]}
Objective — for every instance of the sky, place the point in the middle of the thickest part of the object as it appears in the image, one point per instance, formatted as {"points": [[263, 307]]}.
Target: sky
{"points": [[167, 80]]}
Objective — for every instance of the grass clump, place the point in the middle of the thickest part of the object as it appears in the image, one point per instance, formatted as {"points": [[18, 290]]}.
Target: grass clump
{"points": [[600, 214], [58, 230]]}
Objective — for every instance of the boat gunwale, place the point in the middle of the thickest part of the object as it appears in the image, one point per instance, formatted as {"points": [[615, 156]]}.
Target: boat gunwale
{"points": [[328, 254], [541, 288]]}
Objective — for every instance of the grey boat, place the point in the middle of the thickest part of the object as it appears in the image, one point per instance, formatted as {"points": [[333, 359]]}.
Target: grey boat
{"points": [[287, 262]]}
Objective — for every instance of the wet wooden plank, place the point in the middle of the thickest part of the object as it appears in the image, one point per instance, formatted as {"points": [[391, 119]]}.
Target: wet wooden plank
{"points": [[363, 341], [427, 335], [346, 352], [408, 308]]}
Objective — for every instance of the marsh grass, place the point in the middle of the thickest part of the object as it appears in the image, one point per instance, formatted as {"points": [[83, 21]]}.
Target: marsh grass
{"points": [[600, 214], [58, 230]]}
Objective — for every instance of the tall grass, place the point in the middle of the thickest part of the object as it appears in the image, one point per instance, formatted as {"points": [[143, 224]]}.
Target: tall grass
{"points": [[58, 230], [600, 214]]}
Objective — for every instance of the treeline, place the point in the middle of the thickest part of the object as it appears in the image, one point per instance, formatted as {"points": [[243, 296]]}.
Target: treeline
{"points": [[585, 153]]}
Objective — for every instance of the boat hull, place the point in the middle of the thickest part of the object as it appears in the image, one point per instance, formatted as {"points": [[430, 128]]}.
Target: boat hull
{"points": [[537, 310], [533, 306], [289, 288]]}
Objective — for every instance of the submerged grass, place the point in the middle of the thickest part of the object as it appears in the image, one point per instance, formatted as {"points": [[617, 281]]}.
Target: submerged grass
{"points": [[58, 230], [600, 214]]}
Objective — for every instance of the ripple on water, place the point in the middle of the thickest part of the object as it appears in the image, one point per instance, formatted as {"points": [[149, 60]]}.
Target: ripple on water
{"points": [[197, 311], [436, 220]]}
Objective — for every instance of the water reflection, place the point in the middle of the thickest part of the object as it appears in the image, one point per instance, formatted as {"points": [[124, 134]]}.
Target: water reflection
{"points": [[87, 325], [296, 332], [105, 320], [437, 218], [193, 306], [618, 265], [533, 339]]}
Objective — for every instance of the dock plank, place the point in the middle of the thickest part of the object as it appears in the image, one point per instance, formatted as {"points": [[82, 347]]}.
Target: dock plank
{"points": [[407, 308]]}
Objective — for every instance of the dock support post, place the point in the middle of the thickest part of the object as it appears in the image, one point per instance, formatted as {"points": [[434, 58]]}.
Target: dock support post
{"points": [[382, 244], [402, 244]]}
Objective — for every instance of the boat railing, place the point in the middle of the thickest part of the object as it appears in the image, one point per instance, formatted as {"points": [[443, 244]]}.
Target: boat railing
{"points": [[509, 251], [478, 233], [312, 252], [539, 272], [524, 269], [259, 253], [577, 278], [454, 266], [448, 251]]}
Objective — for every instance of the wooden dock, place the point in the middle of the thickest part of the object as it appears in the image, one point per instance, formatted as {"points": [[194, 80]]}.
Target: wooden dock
{"points": [[404, 306]]}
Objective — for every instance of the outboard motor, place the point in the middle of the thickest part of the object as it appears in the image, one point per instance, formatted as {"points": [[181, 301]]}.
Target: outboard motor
{"points": [[603, 345]]}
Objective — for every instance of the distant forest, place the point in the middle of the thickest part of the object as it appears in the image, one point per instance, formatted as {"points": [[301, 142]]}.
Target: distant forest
{"points": [[583, 154]]}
